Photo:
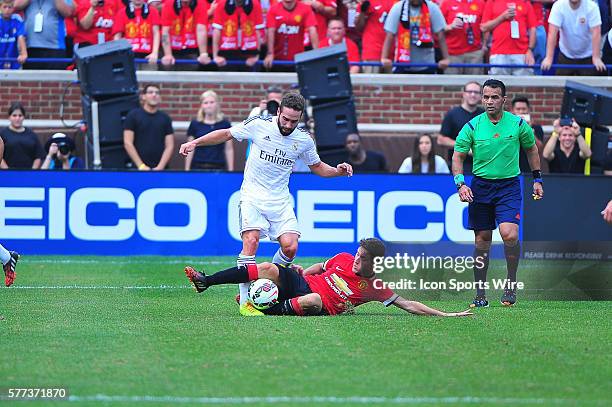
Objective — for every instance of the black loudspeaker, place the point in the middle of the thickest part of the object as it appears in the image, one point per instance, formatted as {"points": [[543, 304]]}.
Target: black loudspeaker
{"points": [[333, 122], [323, 74], [601, 139], [112, 156], [588, 105], [111, 116], [107, 70]]}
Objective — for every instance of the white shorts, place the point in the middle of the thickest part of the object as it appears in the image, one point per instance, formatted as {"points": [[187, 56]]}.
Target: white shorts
{"points": [[271, 219]]}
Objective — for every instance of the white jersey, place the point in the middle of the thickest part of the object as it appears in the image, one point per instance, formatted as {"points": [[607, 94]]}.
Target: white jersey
{"points": [[272, 156]]}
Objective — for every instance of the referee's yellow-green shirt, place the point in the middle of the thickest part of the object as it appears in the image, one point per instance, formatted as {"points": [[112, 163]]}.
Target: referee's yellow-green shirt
{"points": [[495, 146]]}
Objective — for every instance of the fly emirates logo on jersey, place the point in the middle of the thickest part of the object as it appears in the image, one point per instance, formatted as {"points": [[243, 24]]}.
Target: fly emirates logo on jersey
{"points": [[278, 158]]}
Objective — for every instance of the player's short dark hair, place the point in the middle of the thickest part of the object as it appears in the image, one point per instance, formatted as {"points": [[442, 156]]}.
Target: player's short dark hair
{"points": [[146, 87], [293, 100], [495, 83], [471, 83], [374, 246], [520, 99], [16, 106]]}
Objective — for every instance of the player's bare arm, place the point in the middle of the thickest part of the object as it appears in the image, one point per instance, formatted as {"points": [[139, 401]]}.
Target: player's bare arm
{"points": [[316, 268], [210, 139], [533, 156], [417, 308], [325, 170], [465, 193]]}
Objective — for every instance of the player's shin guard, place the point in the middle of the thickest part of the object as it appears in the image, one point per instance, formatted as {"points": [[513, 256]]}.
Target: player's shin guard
{"points": [[481, 265], [513, 254], [280, 258], [244, 260], [287, 307], [233, 275]]}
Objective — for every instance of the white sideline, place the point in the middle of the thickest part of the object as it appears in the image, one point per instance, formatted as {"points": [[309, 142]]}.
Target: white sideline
{"points": [[284, 400]]}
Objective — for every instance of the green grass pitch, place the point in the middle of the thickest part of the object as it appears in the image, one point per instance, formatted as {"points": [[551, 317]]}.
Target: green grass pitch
{"points": [[131, 331]]}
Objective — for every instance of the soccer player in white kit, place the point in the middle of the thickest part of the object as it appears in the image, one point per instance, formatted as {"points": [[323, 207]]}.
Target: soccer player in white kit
{"points": [[265, 204]]}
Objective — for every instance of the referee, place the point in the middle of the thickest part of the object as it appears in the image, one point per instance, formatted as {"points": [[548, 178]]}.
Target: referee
{"points": [[494, 195]]}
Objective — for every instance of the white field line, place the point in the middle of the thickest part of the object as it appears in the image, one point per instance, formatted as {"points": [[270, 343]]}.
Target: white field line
{"points": [[285, 400]]}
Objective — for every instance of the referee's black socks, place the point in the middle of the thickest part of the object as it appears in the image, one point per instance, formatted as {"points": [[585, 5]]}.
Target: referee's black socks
{"points": [[481, 265], [513, 254]]}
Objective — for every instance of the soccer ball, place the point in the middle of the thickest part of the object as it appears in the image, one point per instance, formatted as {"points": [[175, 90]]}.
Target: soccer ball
{"points": [[263, 293]]}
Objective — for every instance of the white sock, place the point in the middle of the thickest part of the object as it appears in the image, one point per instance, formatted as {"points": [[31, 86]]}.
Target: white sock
{"points": [[5, 256], [280, 258], [243, 260]]}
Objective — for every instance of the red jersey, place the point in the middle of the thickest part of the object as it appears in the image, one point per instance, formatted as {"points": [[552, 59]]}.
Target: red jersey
{"points": [[502, 42], [374, 34], [183, 26], [352, 52], [341, 289], [137, 30], [289, 27], [322, 20], [102, 28], [460, 41], [238, 30]]}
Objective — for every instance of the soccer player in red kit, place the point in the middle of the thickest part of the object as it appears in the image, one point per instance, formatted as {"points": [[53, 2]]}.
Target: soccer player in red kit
{"points": [[336, 34], [184, 26], [139, 24], [95, 19], [287, 21], [331, 288]]}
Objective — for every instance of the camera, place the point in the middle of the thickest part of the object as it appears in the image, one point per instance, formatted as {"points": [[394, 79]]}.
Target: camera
{"points": [[64, 148], [565, 122]]}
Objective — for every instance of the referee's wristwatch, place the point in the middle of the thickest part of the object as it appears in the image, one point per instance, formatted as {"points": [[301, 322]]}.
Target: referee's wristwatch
{"points": [[537, 176], [459, 181]]}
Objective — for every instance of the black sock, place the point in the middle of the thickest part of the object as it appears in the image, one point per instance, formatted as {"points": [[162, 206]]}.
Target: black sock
{"points": [[513, 255], [481, 265], [232, 275], [282, 308]]}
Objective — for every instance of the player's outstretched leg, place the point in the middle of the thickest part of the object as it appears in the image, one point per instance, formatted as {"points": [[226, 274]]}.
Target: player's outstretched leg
{"points": [[9, 261], [481, 265], [512, 252], [233, 275]]}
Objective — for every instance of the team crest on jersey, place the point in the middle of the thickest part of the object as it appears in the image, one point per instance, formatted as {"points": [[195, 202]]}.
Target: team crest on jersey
{"points": [[519, 8], [474, 7], [363, 285], [298, 19], [295, 146], [267, 138], [131, 30], [230, 28]]}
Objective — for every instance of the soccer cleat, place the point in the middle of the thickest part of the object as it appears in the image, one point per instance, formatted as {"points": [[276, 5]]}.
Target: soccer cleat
{"points": [[479, 302], [248, 310], [196, 279], [508, 298], [9, 269]]}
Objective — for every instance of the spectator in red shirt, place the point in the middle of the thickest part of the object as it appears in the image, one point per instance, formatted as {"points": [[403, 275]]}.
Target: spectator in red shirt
{"points": [[323, 11], [513, 25], [288, 20], [139, 24], [463, 36], [95, 19], [336, 34], [232, 17], [371, 20], [184, 32]]}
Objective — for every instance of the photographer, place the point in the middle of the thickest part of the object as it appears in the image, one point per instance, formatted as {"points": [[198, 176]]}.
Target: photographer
{"points": [[266, 106], [60, 149], [570, 153]]}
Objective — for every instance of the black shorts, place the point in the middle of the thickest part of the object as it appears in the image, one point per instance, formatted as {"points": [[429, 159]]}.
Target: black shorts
{"points": [[495, 201], [292, 284]]}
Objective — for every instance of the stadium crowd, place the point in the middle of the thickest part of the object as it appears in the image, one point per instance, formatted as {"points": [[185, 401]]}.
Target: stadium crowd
{"points": [[423, 36]]}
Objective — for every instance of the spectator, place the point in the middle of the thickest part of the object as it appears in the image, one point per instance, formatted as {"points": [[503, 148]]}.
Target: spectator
{"points": [[463, 35], [95, 19], [235, 25], [22, 149], [569, 154], [288, 20], [217, 157], [513, 26], [424, 160], [457, 117], [540, 11], [148, 136], [371, 20], [336, 34], [184, 32], [49, 42], [139, 24], [157, 4], [363, 160], [12, 36], [60, 154], [415, 23], [274, 94], [579, 25], [521, 108], [323, 11], [347, 11]]}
